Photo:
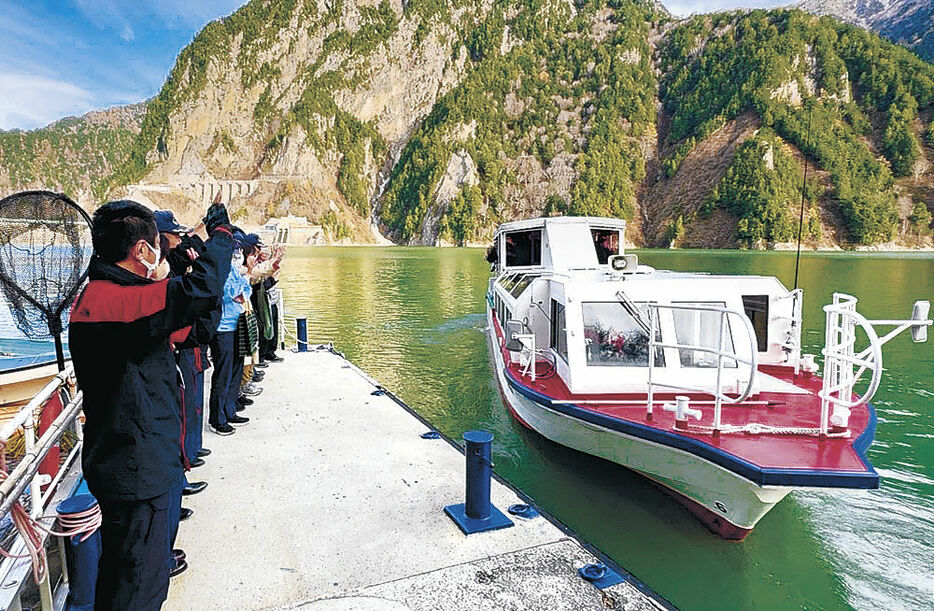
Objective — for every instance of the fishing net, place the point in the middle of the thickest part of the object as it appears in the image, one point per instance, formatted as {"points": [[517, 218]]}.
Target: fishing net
{"points": [[45, 249]]}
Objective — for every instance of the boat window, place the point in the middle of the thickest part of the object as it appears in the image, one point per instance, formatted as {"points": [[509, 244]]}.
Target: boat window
{"points": [[701, 329], [524, 248], [757, 310], [615, 337], [606, 242], [508, 279], [524, 281], [559, 332]]}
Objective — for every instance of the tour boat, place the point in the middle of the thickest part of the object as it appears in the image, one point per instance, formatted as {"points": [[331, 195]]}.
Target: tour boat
{"points": [[727, 413]]}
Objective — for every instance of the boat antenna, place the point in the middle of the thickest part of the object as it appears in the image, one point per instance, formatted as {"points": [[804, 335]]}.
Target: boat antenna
{"points": [[45, 249], [804, 183]]}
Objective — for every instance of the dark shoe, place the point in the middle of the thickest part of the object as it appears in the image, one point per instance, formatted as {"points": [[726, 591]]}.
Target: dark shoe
{"points": [[261, 365], [244, 400], [178, 554], [196, 463], [185, 514], [179, 568], [204, 452], [223, 429], [238, 420], [194, 488], [258, 376], [274, 358]]}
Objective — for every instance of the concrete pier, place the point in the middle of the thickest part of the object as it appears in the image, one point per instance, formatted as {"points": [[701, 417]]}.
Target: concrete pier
{"points": [[329, 500]]}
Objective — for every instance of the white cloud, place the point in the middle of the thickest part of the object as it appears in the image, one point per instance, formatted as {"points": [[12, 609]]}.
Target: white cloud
{"points": [[30, 101], [127, 34]]}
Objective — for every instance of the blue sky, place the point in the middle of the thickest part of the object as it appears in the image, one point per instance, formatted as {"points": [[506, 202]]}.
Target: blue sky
{"points": [[60, 58]]}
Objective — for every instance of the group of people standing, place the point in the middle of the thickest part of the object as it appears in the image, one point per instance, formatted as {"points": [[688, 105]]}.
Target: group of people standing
{"points": [[164, 303]]}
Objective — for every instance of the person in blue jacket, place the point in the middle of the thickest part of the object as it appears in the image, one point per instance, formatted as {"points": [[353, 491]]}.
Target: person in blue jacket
{"points": [[119, 335], [225, 385]]}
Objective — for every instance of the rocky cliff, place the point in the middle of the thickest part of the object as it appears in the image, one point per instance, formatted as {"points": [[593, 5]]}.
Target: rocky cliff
{"points": [[906, 22], [431, 122]]}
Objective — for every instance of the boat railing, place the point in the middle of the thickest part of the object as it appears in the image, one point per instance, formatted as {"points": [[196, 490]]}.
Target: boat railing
{"points": [[43, 485], [844, 366], [792, 343], [724, 356]]}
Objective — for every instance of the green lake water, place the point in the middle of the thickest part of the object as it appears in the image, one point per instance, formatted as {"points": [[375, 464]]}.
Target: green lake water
{"points": [[414, 319]]}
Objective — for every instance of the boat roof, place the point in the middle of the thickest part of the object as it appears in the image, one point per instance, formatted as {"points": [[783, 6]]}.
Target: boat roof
{"points": [[537, 223]]}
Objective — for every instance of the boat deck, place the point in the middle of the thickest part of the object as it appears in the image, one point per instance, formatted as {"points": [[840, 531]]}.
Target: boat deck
{"points": [[330, 499], [776, 459]]}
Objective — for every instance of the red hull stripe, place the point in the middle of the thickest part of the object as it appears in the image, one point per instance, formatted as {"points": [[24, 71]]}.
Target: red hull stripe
{"points": [[103, 301]]}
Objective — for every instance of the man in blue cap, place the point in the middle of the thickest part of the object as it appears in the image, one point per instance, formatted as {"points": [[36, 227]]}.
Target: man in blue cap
{"points": [[185, 246]]}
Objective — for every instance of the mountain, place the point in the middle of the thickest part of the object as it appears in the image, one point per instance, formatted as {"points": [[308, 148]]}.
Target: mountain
{"points": [[906, 22], [73, 155], [431, 122]]}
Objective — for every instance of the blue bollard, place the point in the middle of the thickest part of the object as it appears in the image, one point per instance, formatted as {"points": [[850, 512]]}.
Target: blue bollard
{"points": [[81, 557], [477, 514], [301, 328]]}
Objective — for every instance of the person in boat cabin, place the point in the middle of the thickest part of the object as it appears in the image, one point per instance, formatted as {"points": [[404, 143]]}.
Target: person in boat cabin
{"points": [[225, 384], [120, 338]]}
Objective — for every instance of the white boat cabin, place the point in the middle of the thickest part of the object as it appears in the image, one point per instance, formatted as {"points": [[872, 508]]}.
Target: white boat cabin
{"points": [[565, 290]]}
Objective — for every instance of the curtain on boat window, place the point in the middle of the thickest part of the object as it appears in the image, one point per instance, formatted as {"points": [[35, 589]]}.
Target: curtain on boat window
{"points": [[702, 329]]}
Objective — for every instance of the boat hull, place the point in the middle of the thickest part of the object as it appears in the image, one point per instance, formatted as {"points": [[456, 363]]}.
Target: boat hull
{"points": [[727, 503]]}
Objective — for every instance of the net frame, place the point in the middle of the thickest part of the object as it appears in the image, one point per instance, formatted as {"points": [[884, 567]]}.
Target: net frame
{"points": [[51, 310]]}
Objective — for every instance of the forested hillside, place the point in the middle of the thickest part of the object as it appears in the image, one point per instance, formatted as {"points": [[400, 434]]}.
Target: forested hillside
{"points": [[74, 155], [841, 96], [433, 121], [907, 22]]}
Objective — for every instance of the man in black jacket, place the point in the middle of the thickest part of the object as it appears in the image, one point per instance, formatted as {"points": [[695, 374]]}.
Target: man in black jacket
{"points": [[119, 336]]}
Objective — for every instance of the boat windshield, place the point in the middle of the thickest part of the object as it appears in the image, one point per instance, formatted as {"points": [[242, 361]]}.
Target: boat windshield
{"points": [[702, 329], [614, 337]]}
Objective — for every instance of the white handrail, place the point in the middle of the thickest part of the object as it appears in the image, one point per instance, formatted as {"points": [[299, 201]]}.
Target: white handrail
{"points": [[840, 357], [26, 473], [27, 411], [718, 394]]}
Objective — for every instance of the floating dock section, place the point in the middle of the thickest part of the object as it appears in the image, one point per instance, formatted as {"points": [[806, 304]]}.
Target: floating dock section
{"points": [[330, 500]]}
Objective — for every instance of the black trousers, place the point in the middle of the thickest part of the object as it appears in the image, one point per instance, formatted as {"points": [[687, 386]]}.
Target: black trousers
{"points": [[134, 572], [224, 389]]}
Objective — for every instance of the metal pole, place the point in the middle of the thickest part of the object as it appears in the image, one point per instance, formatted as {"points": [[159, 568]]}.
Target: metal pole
{"points": [[479, 472], [301, 330], [477, 514], [652, 323], [718, 400]]}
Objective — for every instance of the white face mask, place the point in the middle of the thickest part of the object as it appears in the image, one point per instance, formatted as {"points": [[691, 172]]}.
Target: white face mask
{"points": [[150, 267]]}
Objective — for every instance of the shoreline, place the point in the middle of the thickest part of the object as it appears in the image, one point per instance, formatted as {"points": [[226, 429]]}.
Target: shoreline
{"points": [[890, 249]]}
